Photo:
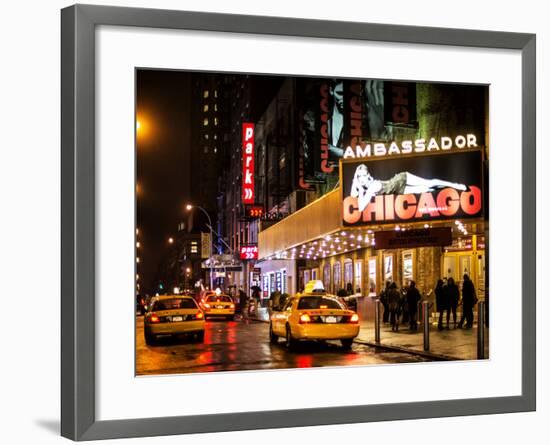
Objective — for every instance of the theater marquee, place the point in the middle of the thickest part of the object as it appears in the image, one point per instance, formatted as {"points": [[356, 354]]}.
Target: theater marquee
{"points": [[411, 189]]}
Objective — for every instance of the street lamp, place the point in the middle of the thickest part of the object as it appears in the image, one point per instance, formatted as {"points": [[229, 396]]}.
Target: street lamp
{"points": [[170, 240], [189, 207]]}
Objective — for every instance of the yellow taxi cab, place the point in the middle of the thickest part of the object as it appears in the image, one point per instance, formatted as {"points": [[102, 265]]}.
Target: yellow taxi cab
{"points": [[218, 305], [173, 315], [314, 315]]}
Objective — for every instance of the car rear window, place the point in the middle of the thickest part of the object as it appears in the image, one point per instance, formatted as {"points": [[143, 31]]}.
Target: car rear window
{"points": [[219, 298], [317, 302], [174, 303]]}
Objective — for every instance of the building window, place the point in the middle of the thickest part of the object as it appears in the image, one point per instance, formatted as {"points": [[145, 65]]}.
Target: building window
{"points": [[326, 277], [206, 136], [215, 107], [337, 274], [205, 108], [215, 93], [205, 94], [215, 121], [205, 122]]}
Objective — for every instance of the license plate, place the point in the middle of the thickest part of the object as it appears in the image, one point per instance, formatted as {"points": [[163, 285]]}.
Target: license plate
{"points": [[177, 318], [330, 319], [219, 307]]}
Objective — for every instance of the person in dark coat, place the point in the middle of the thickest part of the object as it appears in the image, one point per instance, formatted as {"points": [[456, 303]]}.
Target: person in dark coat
{"points": [[453, 296], [442, 303], [469, 300], [394, 305], [413, 297], [384, 301], [242, 300]]}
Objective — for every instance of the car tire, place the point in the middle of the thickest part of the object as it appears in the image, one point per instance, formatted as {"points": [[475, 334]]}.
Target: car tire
{"points": [[290, 342], [200, 336], [346, 343], [149, 338], [273, 339]]}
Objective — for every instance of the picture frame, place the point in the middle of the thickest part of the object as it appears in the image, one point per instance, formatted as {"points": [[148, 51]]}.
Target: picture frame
{"points": [[78, 183]]}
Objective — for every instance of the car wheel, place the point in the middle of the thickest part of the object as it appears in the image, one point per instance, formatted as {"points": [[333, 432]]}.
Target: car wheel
{"points": [[200, 336], [346, 343], [149, 339], [272, 337], [290, 342]]}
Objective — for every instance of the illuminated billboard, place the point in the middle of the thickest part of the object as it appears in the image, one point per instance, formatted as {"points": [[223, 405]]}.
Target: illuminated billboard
{"points": [[248, 163], [412, 188]]}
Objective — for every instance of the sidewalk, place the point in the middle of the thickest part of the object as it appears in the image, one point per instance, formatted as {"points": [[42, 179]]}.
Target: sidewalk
{"points": [[453, 344]]}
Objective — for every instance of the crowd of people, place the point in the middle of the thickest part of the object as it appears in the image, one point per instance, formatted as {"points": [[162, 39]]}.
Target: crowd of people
{"points": [[401, 305]]}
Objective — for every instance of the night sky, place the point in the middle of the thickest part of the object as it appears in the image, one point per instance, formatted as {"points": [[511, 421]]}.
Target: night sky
{"points": [[163, 162]]}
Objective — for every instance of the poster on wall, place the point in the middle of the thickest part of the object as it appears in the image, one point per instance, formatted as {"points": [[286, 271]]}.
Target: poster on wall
{"points": [[372, 276], [388, 268], [407, 267]]}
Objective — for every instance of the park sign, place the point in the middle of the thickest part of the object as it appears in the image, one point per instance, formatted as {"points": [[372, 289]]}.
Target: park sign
{"points": [[248, 252], [412, 188], [248, 163]]}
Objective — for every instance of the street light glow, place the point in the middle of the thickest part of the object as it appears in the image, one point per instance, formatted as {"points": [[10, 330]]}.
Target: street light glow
{"points": [[170, 240], [188, 207]]}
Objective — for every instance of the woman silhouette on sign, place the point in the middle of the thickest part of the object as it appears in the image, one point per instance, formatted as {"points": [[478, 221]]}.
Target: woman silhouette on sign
{"points": [[364, 186]]}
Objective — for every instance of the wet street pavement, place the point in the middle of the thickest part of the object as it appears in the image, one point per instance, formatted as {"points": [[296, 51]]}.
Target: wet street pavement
{"points": [[244, 345]]}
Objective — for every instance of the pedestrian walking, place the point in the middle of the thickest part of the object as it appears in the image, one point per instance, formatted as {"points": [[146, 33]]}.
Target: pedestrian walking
{"points": [[242, 301], [394, 305], [384, 301], [469, 300], [442, 303], [413, 297], [453, 297]]}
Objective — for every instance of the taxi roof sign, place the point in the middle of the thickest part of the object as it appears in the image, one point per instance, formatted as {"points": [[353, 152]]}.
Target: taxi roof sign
{"points": [[314, 286]]}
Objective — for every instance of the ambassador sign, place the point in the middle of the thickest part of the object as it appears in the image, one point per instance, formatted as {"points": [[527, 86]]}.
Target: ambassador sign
{"points": [[410, 146]]}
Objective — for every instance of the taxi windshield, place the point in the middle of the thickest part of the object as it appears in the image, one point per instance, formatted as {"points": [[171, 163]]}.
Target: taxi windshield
{"points": [[314, 302], [214, 298], [174, 303]]}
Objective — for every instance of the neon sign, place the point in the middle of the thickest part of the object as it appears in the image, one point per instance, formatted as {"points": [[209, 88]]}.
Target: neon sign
{"points": [[248, 163]]}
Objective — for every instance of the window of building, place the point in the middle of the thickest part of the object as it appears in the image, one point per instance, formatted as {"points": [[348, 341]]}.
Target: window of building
{"points": [[348, 275], [206, 136], [358, 277], [215, 93], [215, 107], [205, 122], [215, 121], [337, 274], [326, 276], [205, 94], [205, 108]]}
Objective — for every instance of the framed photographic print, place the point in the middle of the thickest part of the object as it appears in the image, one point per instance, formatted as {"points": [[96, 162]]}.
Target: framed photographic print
{"points": [[207, 185]]}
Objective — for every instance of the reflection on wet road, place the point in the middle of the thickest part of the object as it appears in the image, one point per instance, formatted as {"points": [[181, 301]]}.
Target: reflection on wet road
{"points": [[244, 345]]}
